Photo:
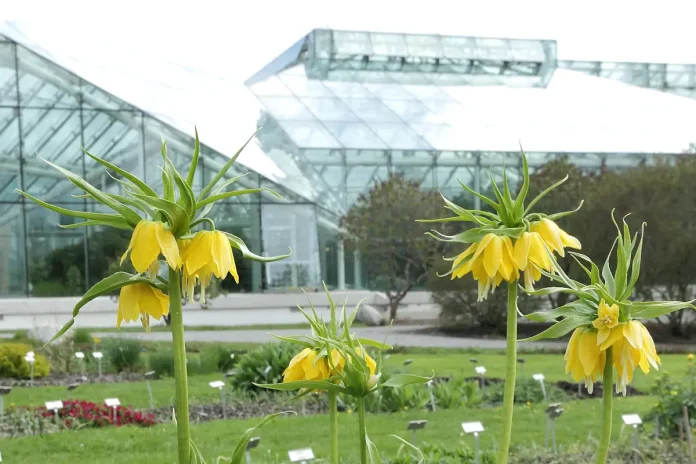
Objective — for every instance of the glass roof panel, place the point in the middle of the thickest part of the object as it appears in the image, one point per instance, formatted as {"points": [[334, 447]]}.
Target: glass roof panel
{"points": [[393, 91], [303, 87], [309, 134], [371, 110], [425, 46], [348, 89], [399, 136], [412, 111], [288, 107], [431, 92], [271, 86], [352, 43], [442, 136], [8, 83], [354, 135], [329, 109], [389, 44]]}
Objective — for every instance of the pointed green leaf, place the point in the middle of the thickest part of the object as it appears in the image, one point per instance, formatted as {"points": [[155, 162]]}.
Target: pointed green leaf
{"points": [[635, 265], [239, 244], [490, 202], [123, 224], [469, 236], [168, 188], [519, 202], [562, 311], [78, 214], [374, 343], [177, 214], [104, 287], [131, 216], [224, 170], [654, 309], [194, 161], [543, 194], [412, 447], [309, 384], [239, 455], [562, 214], [145, 189], [134, 202], [401, 380], [235, 193], [186, 198], [559, 328], [620, 276], [372, 453]]}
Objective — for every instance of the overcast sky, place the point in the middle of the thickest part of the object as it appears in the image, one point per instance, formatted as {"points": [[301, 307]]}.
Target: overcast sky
{"points": [[145, 51]]}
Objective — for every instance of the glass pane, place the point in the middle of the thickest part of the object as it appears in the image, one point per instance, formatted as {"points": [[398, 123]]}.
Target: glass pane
{"points": [[412, 111], [361, 178], [354, 135], [12, 264], [399, 136], [54, 135], [309, 134], [329, 109], [179, 150], [393, 91], [371, 110], [94, 97], [114, 136], [43, 84], [291, 226], [303, 87], [8, 76], [287, 108], [348, 89], [9, 154], [56, 256], [105, 246], [243, 221], [271, 86], [422, 174], [443, 137]]}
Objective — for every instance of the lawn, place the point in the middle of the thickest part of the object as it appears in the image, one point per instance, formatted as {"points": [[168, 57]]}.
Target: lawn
{"points": [[442, 362], [446, 362], [157, 445]]}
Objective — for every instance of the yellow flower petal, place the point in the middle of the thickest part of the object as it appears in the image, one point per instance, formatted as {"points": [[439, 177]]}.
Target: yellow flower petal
{"points": [[633, 333], [588, 352], [550, 232], [615, 335], [521, 250], [492, 256], [146, 247], [167, 245]]}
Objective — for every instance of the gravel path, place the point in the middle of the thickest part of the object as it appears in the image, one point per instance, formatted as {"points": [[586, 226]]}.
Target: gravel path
{"points": [[402, 336]]}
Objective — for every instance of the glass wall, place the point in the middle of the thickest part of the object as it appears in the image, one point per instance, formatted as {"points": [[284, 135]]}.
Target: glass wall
{"points": [[47, 113]]}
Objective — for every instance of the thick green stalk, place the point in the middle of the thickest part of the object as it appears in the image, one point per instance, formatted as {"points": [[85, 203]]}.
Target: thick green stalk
{"points": [[607, 397], [333, 427], [510, 372], [363, 430], [180, 375]]}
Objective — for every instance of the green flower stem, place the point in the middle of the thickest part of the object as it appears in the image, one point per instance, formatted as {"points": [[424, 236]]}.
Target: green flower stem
{"points": [[181, 405], [510, 372], [363, 430], [333, 427], [607, 398]]}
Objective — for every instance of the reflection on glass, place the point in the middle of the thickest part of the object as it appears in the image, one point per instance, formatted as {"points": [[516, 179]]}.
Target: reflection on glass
{"points": [[12, 264]]}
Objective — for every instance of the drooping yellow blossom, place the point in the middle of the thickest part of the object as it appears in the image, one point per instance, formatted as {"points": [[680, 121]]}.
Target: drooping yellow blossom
{"points": [[308, 365], [530, 255], [141, 300], [188, 282], [371, 364], [208, 254], [690, 357], [490, 261], [556, 238], [632, 347], [584, 360], [149, 239], [607, 319]]}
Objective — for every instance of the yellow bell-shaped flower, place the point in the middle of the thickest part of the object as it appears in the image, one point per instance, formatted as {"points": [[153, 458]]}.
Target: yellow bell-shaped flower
{"points": [[306, 366], [556, 238], [209, 253], [149, 239], [530, 256], [632, 347], [141, 301], [490, 261], [584, 360]]}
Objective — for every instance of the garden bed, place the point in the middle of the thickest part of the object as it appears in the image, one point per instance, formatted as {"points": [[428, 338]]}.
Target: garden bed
{"points": [[67, 379]]}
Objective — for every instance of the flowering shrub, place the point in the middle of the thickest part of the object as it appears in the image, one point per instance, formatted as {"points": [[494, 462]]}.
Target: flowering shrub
{"points": [[79, 413], [13, 364]]}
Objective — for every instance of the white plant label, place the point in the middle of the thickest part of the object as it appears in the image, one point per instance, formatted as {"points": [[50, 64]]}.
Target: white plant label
{"points": [[53, 405], [97, 355], [79, 355], [472, 427], [299, 455], [631, 419], [480, 370], [112, 402], [217, 384], [538, 377]]}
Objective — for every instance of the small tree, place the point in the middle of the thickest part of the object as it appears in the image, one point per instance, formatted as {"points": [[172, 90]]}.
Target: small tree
{"points": [[382, 226]]}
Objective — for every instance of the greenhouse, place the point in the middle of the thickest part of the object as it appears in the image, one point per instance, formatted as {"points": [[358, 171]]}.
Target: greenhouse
{"points": [[335, 112]]}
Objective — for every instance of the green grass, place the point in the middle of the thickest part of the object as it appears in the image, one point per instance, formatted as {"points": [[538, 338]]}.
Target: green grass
{"points": [[157, 445], [447, 362], [130, 393]]}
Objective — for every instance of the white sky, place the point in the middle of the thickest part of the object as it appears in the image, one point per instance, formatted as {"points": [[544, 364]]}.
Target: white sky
{"points": [[140, 51]]}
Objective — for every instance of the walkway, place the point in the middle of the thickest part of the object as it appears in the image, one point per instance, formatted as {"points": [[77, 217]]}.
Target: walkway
{"points": [[401, 336]]}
